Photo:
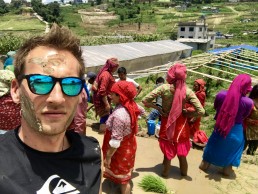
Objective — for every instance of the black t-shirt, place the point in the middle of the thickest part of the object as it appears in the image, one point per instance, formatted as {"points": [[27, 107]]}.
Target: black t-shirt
{"points": [[24, 170]]}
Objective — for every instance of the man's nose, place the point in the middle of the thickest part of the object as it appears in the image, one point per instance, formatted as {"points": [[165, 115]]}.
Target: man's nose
{"points": [[56, 95]]}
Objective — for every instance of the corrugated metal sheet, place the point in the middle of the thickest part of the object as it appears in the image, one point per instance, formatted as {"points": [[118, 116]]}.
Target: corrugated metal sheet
{"points": [[95, 56]]}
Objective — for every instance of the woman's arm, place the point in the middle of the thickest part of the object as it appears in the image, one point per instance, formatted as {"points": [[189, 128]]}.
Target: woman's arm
{"points": [[149, 98], [193, 100]]}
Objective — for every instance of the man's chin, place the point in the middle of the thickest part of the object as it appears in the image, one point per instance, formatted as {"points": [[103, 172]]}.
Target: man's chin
{"points": [[53, 129]]}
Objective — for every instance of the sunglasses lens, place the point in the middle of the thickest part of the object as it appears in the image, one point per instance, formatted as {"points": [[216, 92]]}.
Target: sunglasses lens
{"points": [[40, 84], [72, 86]]}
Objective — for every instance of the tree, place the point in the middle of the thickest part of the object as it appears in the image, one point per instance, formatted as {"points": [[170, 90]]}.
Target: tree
{"points": [[16, 3], [3, 7]]}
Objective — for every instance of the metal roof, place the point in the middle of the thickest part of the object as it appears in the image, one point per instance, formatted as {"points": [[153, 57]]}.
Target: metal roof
{"points": [[97, 55], [231, 48]]}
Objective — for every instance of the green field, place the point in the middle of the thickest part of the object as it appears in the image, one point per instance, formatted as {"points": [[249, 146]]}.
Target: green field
{"points": [[18, 23]]}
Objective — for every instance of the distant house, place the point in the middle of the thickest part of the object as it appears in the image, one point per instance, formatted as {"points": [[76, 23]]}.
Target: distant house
{"points": [[181, 7], [208, 9], [196, 35]]}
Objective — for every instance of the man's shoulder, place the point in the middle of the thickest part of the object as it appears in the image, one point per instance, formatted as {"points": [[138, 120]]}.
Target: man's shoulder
{"points": [[4, 138], [8, 144]]}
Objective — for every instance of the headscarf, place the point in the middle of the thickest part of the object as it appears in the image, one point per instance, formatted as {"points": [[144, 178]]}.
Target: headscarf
{"points": [[127, 92], [109, 66], [201, 92], [240, 86], [6, 76], [201, 83], [176, 75]]}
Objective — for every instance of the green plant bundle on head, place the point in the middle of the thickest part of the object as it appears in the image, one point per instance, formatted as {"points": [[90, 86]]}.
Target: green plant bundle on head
{"points": [[151, 183]]}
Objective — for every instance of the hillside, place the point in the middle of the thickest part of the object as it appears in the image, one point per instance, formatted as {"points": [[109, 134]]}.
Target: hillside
{"points": [[108, 24]]}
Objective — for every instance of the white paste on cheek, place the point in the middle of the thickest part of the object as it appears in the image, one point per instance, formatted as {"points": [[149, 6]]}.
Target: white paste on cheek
{"points": [[29, 114]]}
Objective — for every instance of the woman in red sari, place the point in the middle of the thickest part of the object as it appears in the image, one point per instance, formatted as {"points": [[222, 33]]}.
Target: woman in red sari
{"points": [[174, 130], [119, 144], [101, 91]]}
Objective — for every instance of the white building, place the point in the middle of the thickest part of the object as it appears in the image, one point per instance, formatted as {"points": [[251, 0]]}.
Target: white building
{"points": [[196, 35]]}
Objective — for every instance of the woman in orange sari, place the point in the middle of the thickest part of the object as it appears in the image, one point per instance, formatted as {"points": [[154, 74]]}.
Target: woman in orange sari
{"points": [[119, 144]]}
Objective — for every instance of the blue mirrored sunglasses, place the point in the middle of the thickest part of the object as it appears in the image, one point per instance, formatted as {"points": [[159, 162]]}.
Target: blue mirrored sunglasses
{"points": [[44, 84]]}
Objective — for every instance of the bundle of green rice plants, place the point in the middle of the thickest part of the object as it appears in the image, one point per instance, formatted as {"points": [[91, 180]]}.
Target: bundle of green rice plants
{"points": [[151, 183]]}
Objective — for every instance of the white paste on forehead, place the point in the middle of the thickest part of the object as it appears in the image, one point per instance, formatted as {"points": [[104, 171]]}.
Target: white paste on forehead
{"points": [[48, 63]]}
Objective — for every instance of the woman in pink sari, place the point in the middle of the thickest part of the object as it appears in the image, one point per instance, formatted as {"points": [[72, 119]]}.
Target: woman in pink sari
{"points": [[226, 143]]}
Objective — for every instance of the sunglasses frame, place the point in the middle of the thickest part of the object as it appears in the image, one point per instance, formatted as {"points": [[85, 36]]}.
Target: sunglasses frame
{"points": [[55, 80]]}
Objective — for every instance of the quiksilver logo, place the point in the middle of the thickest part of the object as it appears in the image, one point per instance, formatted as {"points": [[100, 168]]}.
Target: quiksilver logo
{"points": [[55, 185]]}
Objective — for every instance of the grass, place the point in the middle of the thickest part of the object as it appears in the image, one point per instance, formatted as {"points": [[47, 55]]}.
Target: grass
{"points": [[16, 23]]}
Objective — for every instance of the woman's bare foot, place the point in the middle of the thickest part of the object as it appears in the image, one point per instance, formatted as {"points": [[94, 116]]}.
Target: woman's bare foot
{"points": [[166, 167], [227, 171], [204, 165]]}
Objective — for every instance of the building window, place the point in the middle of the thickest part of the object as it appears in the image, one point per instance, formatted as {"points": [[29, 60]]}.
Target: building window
{"points": [[200, 29], [182, 29], [190, 37], [199, 37], [211, 46], [191, 29], [181, 36]]}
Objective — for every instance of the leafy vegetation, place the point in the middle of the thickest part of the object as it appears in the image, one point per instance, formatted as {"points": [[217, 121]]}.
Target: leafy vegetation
{"points": [[9, 42], [3, 7], [49, 12], [151, 183]]}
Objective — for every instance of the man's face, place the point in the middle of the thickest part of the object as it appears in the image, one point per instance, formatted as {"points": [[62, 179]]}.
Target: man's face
{"points": [[122, 76], [52, 113]]}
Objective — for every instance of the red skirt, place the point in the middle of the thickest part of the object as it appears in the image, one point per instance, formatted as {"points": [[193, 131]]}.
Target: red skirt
{"points": [[180, 145], [122, 162]]}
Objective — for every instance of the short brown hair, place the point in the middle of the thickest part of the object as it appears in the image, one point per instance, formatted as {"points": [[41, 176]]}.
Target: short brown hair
{"points": [[60, 38]]}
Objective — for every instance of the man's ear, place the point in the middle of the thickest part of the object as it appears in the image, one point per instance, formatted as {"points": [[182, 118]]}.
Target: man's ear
{"points": [[15, 91]]}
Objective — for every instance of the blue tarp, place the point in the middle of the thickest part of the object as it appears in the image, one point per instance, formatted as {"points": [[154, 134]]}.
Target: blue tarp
{"points": [[221, 50]]}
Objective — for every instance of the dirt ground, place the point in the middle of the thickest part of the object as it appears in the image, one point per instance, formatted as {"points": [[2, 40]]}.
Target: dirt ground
{"points": [[148, 162]]}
